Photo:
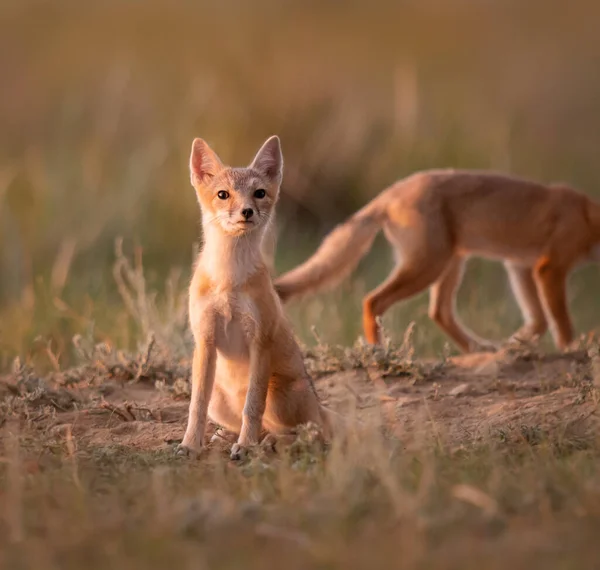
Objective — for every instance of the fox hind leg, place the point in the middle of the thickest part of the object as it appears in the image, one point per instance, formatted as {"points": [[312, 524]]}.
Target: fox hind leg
{"points": [[524, 288], [442, 308], [404, 282], [551, 282]]}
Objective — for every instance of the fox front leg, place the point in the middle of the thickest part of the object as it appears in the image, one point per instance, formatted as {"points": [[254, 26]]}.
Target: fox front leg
{"points": [[203, 378], [256, 401]]}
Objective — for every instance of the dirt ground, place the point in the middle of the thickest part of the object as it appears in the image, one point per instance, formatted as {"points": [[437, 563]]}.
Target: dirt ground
{"points": [[460, 401]]}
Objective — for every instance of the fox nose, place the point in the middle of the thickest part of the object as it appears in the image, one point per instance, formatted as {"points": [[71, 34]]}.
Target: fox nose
{"points": [[247, 213]]}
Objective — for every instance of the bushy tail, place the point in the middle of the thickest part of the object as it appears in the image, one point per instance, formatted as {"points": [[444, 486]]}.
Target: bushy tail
{"points": [[336, 257]]}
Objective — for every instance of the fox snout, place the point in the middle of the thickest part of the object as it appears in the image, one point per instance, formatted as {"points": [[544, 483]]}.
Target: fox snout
{"points": [[247, 213]]}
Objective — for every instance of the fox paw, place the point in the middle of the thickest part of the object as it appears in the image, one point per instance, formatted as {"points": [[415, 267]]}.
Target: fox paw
{"points": [[185, 451], [523, 337], [238, 452], [485, 346]]}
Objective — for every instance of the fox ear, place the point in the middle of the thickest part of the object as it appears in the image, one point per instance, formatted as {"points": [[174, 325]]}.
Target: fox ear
{"points": [[204, 163], [269, 160]]}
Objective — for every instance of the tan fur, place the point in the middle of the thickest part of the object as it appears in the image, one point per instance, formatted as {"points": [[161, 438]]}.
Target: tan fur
{"points": [[436, 219], [248, 373]]}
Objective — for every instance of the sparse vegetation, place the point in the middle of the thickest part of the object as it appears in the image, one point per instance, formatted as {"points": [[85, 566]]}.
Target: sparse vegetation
{"points": [[474, 467]]}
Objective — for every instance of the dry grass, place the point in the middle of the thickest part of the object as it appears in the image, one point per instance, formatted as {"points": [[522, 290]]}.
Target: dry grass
{"points": [[525, 497]]}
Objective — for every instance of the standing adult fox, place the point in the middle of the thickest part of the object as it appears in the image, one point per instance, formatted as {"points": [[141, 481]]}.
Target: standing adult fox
{"points": [[436, 219], [248, 374]]}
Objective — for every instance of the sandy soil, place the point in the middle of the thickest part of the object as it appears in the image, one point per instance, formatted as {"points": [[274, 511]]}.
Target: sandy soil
{"points": [[463, 400]]}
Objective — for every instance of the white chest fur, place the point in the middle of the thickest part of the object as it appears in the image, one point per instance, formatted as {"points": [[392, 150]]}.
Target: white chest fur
{"points": [[236, 326]]}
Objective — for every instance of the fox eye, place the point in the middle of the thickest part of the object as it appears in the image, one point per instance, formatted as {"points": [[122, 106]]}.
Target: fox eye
{"points": [[260, 193], [222, 194]]}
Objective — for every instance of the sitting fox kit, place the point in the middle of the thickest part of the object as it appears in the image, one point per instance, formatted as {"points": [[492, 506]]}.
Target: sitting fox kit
{"points": [[248, 373], [435, 220]]}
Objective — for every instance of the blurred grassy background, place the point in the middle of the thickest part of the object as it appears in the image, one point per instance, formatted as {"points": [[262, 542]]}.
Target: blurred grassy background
{"points": [[100, 102]]}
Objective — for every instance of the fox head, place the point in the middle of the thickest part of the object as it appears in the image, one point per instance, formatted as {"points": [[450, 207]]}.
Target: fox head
{"points": [[237, 200]]}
